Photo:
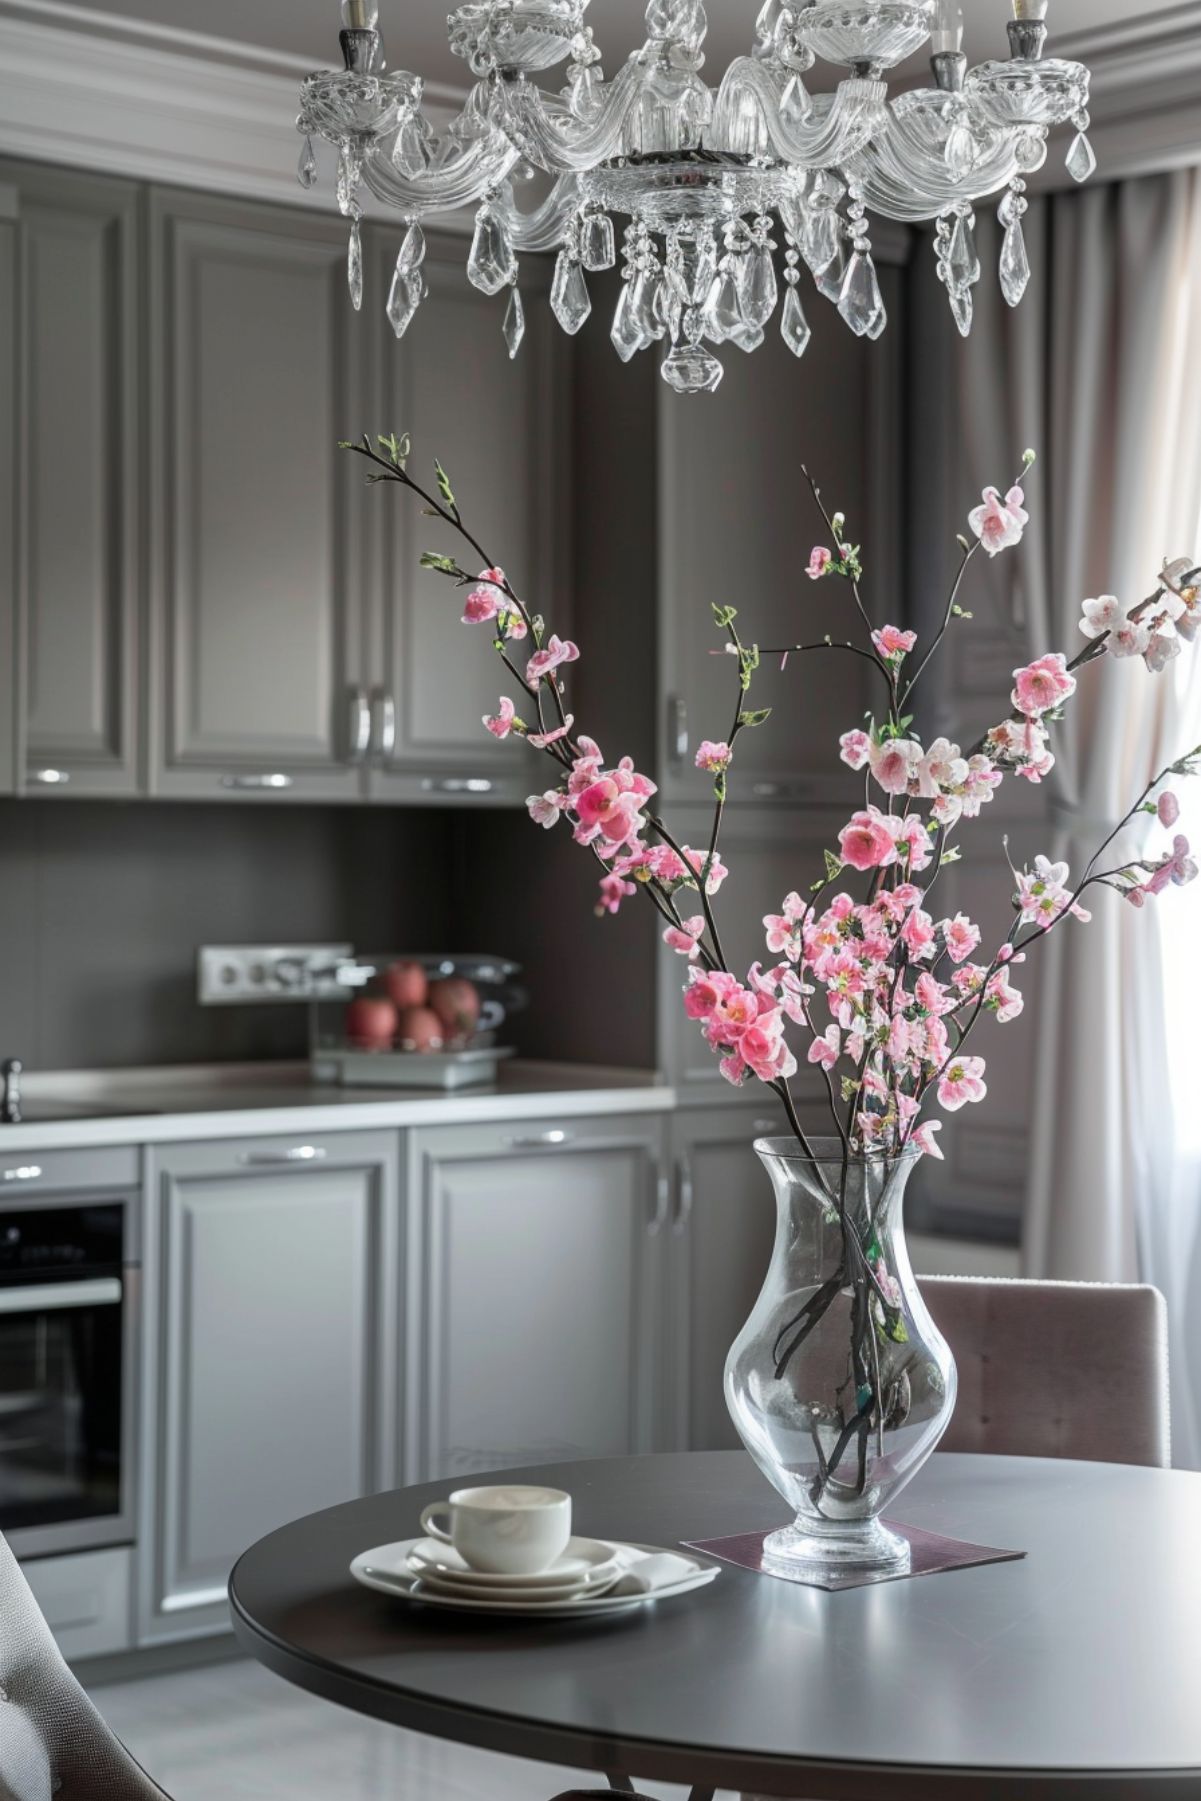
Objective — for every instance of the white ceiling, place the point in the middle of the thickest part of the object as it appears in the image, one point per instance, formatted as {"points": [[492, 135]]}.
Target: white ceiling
{"points": [[415, 30]]}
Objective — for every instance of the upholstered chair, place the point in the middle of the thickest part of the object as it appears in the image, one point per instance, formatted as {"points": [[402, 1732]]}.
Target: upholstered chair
{"points": [[54, 1746]]}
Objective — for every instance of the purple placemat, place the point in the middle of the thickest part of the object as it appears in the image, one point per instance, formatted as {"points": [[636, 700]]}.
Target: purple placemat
{"points": [[931, 1554]]}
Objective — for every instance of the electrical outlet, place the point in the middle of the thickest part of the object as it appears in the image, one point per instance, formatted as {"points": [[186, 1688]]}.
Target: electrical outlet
{"points": [[239, 975]]}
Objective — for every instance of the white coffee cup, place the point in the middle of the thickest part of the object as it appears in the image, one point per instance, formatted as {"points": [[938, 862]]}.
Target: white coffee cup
{"points": [[508, 1531]]}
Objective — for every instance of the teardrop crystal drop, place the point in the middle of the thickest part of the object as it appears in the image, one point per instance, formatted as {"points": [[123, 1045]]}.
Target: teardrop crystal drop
{"points": [[691, 266], [723, 309], [569, 300], [829, 280], [404, 297], [962, 308], [306, 168], [861, 302], [643, 296], [412, 250], [746, 336], [624, 332], [794, 327], [757, 289], [960, 151], [490, 264], [514, 325], [348, 180], [597, 248], [963, 264], [1081, 161], [354, 265], [822, 238], [1015, 264], [691, 369]]}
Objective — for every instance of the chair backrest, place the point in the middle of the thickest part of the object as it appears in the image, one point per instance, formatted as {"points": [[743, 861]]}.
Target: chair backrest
{"points": [[53, 1744], [1056, 1369]]}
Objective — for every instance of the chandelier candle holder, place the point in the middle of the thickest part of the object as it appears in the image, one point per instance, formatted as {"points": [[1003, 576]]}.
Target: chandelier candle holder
{"points": [[708, 182]]}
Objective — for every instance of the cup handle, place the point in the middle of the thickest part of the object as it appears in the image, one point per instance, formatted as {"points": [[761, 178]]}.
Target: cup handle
{"points": [[429, 1524]]}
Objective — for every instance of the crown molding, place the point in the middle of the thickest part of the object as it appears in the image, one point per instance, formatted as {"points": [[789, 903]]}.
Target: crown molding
{"points": [[155, 103]]}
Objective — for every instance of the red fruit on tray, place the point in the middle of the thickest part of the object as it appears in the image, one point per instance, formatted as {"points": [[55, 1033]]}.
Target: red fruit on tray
{"points": [[420, 1029], [456, 1001], [371, 1022], [407, 984]]}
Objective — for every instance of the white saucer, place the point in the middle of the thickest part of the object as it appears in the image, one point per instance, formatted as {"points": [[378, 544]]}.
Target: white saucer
{"points": [[583, 1560], [386, 1569], [577, 1590]]}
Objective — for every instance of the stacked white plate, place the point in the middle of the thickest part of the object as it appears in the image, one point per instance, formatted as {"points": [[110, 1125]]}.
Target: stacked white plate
{"points": [[591, 1577]]}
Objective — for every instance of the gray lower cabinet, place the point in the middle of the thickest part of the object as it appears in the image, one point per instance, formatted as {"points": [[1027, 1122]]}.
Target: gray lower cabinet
{"points": [[9, 211], [500, 428], [270, 1360], [258, 368], [536, 1302], [722, 1230], [79, 463], [86, 1600]]}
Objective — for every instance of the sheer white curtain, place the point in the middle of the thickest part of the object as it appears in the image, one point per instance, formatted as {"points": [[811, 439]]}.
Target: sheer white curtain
{"points": [[1100, 370]]}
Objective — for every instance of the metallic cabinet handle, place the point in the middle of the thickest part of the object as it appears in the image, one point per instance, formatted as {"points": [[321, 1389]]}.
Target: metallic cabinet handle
{"points": [[25, 1172], [684, 1198], [50, 778], [539, 1140], [359, 736], [662, 1205], [254, 784], [57, 1297], [677, 728], [297, 1153], [383, 729], [458, 784]]}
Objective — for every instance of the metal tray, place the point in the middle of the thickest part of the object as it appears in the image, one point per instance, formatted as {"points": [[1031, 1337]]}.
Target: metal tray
{"points": [[409, 1069]]}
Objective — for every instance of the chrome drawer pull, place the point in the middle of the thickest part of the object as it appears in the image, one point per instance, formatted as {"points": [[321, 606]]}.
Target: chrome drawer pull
{"points": [[256, 783], [59, 1297], [360, 726], [298, 1153], [458, 784], [539, 1140], [24, 1172], [50, 778], [684, 1199]]}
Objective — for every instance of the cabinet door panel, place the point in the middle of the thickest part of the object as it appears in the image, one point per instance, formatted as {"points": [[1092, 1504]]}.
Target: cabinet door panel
{"points": [[259, 370], [736, 522], [541, 1271], [497, 427], [80, 480], [270, 1372], [9, 205]]}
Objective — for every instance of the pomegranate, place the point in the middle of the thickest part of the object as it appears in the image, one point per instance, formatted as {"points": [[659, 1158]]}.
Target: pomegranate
{"points": [[420, 1029], [370, 1022], [407, 984], [456, 1001]]}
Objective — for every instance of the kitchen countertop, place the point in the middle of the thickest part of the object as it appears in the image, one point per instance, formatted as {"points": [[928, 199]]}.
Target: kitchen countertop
{"points": [[161, 1106]]}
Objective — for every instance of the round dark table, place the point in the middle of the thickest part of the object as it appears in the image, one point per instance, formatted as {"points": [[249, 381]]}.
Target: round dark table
{"points": [[1075, 1673]]}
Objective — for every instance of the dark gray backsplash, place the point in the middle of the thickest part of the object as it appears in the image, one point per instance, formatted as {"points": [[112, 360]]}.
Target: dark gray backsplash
{"points": [[103, 904]]}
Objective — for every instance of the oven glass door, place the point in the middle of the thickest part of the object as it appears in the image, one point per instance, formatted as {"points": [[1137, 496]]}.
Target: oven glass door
{"points": [[61, 1350]]}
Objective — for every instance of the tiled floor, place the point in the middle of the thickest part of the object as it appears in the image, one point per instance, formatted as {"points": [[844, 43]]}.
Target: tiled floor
{"points": [[234, 1732]]}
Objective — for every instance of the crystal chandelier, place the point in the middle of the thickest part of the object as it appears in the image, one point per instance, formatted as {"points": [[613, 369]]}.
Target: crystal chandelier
{"points": [[702, 178]]}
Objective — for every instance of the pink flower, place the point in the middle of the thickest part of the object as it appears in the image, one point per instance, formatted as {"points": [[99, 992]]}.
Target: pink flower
{"points": [[820, 561], [685, 941], [1163, 649], [554, 652], [1168, 808], [826, 1049], [604, 808], [705, 990], [999, 523], [504, 720], [1005, 1000], [540, 740], [961, 937], [1131, 638], [917, 934], [762, 1046], [1044, 893], [545, 809], [485, 602], [867, 843], [923, 1139], [892, 643], [962, 1081], [856, 749], [1042, 685], [894, 763], [1101, 616], [1178, 869], [613, 890], [713, 757], [910, 835], [734, 1069], [942, 767]]}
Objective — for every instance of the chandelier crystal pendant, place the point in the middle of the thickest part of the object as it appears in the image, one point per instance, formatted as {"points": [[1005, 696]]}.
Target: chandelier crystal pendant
{"points": [[695, 188]]}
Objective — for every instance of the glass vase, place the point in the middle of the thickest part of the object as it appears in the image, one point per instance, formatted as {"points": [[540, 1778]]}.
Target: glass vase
{"points": [[840, 1384]]}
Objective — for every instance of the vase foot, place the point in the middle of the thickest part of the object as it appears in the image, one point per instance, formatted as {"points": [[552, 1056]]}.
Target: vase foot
{"points": [[835, 1547]]}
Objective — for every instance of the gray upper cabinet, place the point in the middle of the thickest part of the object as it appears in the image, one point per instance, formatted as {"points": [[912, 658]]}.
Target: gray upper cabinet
{"points": [[9, 207], [258, 368], [270, 1367], [736, 521], [500, 430], [537, 1269], [79, 463]]}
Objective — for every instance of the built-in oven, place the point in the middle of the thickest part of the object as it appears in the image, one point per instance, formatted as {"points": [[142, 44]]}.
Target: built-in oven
{"points": [[69, 1292]]}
